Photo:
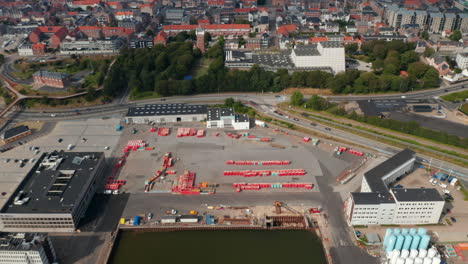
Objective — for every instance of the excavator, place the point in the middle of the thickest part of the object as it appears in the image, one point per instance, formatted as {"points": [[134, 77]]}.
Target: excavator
{"points": [[278, 206]]}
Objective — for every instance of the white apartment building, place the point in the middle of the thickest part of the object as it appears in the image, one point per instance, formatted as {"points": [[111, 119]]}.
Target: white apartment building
{"points": [[376, 204], [25, 49], [105, 46], [420, 18], [462, 60], [26, 248], [462, 22], [324, 54]]}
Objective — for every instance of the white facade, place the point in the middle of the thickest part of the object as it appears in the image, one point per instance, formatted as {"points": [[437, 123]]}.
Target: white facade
{"points": [[418, 212], [25, 50], [23, 257], [241, 125], [164, 119], [462, 60], [370, 214], [330, 54], [26, 248]]}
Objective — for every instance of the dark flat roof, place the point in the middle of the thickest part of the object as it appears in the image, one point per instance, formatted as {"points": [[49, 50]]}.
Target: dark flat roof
{"points": [[241, 118], [166, 109], [374, 176], [416, 195], [13, 132], [215, 113], [372, 198], [306, 50], [55, 189]]}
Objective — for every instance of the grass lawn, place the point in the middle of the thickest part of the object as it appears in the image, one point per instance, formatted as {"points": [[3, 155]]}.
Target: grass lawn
{"points": [[458, 96], [23, 75], [464, 109], [145, 95], [201, 67]]}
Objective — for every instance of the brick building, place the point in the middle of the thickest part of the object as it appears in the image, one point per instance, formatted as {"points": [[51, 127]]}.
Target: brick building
{"points": [[97, 32], [15, 133], [54, 79], [161, 38], [54, 35]]}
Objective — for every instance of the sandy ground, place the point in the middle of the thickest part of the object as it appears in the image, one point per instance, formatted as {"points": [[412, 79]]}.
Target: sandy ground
{"points": [[452, 116]]}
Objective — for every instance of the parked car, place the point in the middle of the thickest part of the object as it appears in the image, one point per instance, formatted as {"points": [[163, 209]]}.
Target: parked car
{"points": [[453, 219], [60, 140], [328, 129], [313, 124]]}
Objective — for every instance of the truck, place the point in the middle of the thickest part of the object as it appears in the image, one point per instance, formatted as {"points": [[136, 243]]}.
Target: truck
{"points": [[443, 185], [118, 128], [70, 146]]}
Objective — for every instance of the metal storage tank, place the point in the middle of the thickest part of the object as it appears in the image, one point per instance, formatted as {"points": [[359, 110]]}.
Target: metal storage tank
{"points": [[400, 261], [415, 243], [418, 261], [427, 260], [399, 242], [422, 253], [395, 256], [414, 253], [396, 231], [422, 231], [404, 231], [424, 244], [391, 243], [409, 261], [412, 231], [432, 252], [436, 260], [408, 240], [388, 233], [404, 253]]}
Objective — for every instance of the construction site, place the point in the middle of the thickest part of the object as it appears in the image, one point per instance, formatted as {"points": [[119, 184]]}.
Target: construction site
{"points": [[188, 159]]}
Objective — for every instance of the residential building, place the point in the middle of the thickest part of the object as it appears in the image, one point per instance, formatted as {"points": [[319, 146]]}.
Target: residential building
{"points": [[377, 204], [104, 46], [450, 20], [324, 54], [26, 248], [54, 35], [15, 133], [420, 18], [462, 22], [462, 60], [162, 113], [54, 79], [54, 194], [139, 43], [436, 22], [213, 29], [25, 49], [226, 118]]}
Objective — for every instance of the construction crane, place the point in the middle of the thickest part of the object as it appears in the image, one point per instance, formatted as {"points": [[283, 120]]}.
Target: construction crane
{"points": [[278, 206]]}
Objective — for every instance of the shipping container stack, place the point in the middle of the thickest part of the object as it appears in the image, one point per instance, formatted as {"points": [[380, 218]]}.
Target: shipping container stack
{"points": [[255, 173], [258, 186], [136, 144], [113, 184], [153, 129], [357, 153], [167, 162], [258, 162], [200, 133]]}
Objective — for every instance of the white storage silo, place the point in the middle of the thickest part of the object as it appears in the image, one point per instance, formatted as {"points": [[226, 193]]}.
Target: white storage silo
{"points": [[436, 260], [395, 256], [387, 236], [432, 252], [418, 261], [409, 261], [415, 242], [424, 243], [404, 231], [422, 253], [396, 231], [427, 260], [404, 253], [400, 261], [391, 243], [414, 253]]}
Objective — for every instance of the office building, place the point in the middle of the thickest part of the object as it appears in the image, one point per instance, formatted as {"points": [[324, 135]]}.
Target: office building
{"points": [[105, 46], [26, 248], [161, 113], [54, 79], [54, 194], [226, 118], [377, 204], [462, 60]]}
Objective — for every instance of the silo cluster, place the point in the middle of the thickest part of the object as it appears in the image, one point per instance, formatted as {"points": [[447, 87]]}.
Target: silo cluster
{"points": [[411, 246]]}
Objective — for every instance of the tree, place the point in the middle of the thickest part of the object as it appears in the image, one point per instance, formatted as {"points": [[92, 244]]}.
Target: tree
{"points": [[379, 51], [409, 57], [229, 102], [351, 48], [317, 103], [458, 70], [430, 78], [297, 98], [417, 69], [428, 52], [425, 35], [2, 59], [456, 35], [150, 32], [207, 37]]}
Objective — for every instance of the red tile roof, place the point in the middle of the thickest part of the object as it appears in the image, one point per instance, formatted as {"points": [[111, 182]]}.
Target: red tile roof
{"points": [[244, 10], [216, 2], [203, 21], [208, 27], [332, 9], [45, 29], [345, 38], [318, 39], [123, 13], [87, 2], [285, 29]]}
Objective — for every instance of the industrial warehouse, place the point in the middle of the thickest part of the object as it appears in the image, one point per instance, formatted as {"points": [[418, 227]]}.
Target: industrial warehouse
{"points": [[55, 194], [161, 113], [376, 204]]}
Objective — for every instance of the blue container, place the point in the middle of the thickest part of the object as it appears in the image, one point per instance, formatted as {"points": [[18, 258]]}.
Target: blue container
{"points": [[424, 244], [422, 231], [408, 240], [451, 178], [396, 231], [399, 242], [391, 243], [404, 231], [388, 233], [209, 220], [412, 231], [136, 221], [415, 242], [436, 176]]}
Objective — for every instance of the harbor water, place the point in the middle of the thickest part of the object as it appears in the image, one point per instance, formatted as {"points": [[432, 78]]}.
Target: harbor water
{"points": [[223, 246]]}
